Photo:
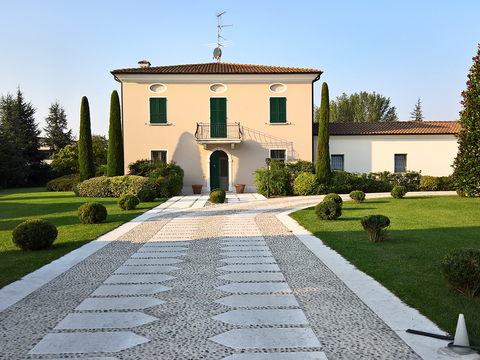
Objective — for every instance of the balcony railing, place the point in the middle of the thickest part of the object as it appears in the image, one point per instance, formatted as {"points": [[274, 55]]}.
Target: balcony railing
{"points": [[218, 133]]}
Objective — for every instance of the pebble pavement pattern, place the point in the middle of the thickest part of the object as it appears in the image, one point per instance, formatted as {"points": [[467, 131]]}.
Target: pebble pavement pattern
{"points": [[222, 282]]}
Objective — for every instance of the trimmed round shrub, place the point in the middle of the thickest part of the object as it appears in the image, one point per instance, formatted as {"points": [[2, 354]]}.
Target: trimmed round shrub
{"points": [[146, 195], [92, 213], [398, 192], [34, 234], [328, 210], [128, 202], [111, 186], [217, 196], [357, 196], [461, 270], [376, 227], [334, 197], [429, 183], [305, 184], [64, 183]]}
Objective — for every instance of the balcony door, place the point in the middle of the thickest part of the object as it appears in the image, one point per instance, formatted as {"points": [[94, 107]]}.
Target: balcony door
{"points": [[218, 117]]}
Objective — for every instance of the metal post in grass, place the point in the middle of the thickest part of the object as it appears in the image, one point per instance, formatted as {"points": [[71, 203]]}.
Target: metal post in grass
{"points": [[267, 161]]}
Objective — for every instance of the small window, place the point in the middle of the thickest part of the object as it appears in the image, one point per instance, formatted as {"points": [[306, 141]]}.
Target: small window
{"points": [[336, 162], [278, 155], [278, 110], [400, 163], [159, 155], [158, 110]]}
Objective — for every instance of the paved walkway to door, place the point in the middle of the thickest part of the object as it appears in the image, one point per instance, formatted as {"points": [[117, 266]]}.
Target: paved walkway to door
{"points": [[239, 281]]}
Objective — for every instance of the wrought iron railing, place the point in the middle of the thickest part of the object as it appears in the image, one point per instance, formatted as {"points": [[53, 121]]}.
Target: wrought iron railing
{"points": [[231, 131]]}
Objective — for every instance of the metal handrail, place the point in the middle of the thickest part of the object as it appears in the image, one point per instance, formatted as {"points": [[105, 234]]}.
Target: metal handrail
{"points": [[206, 131]]}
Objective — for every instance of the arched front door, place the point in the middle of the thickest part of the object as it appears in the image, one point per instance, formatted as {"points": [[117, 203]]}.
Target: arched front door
{"points": [[219, 170]]}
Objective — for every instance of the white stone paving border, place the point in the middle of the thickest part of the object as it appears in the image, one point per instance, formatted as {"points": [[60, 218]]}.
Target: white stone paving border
{"points": [[385, 304]]}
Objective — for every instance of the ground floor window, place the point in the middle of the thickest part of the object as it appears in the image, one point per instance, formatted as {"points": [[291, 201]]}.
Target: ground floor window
{"points": [[400, 163], [159, 155], [336, 162], [278, 154]]}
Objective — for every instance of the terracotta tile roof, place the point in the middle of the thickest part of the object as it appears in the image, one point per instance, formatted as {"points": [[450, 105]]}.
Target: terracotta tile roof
{"points": [[216, 68], [393, 128]]}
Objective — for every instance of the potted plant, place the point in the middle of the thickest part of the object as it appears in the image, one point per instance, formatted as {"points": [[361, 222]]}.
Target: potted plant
{"points": [[240, 188], [197, 189]]}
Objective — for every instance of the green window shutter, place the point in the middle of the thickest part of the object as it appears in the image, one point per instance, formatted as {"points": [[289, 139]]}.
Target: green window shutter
{"points": [[158, 110], [278, 110]]}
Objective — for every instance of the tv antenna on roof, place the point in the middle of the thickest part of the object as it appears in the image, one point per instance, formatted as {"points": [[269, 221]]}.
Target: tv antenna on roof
{"points": [[217, 52]]}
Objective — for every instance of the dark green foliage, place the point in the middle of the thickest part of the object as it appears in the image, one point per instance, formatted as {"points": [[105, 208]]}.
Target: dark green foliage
{"points": [[305, 184], [328, 210], [334, 197], [461, 270], [398, 192], [66, 159], [280, 179], [300, 166], [36, 234], [57, 135], [357, 196], [446, 183], [322, 166], [85, 147], [217, 196], [101, 170], [466, 165], [146, 195], [143, 167], [429, 183], [64, 183], [111, 186], [100, 150], [92, 213], [363, 107], [115, 162], [128, 202], [417, 114], [376, 227]]}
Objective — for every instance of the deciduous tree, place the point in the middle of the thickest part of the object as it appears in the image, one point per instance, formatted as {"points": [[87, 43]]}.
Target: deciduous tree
{"points": [[467, 163], [363, 107]]}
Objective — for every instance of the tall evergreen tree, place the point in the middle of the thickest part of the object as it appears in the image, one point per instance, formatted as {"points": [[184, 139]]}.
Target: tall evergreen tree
{"points": [[115, 164], [466, 165], [57, 134], [85, 149], [322, 165], [417, 114]]}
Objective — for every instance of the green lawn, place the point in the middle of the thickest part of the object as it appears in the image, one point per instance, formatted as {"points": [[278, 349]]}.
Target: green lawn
{"points": [[422, 231], [60, 208]]}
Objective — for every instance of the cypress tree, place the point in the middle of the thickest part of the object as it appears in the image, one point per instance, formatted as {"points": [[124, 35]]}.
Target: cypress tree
{"points": [[466, 165], [322, 166], [115, 161], [85, 149]]}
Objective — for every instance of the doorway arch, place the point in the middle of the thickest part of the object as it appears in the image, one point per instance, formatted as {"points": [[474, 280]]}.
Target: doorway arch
{"points": [[219, 166]]}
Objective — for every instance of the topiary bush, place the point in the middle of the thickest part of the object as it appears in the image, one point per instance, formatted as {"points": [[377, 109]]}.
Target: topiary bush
{"points": [[217, 196], [36, 234], [128, 202], [357, 196], [146, 195], [376, 227], [63, 183], [398, 192], [328, 210], [114, 186], [92, 213], [334, 197], [305, 184], [429, 183], [461, 270]]}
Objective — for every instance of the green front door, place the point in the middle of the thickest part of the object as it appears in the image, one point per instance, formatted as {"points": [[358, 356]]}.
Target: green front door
{"points": [[218, 117], [215, 170]]}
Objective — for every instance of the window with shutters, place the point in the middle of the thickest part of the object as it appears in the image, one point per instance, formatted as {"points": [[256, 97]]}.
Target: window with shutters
{"points": [[336, 162], [159, 155], [278, 110], [158, 110], [400, 163], [278, 154]]}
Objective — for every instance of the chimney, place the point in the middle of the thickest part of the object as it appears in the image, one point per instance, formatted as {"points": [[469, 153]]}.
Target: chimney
{"points": [[144, 64]]}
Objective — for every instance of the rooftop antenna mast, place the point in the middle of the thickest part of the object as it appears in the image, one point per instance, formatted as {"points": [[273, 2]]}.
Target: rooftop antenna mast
{"points": [[217, 52]]}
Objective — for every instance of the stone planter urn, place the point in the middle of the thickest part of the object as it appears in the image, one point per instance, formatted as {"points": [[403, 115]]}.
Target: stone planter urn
{"points": [[240, 188], [197, 189]]}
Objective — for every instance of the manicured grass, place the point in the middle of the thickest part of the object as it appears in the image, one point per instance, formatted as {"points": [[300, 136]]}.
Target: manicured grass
{"points": [[60, 208], [422, 231]]}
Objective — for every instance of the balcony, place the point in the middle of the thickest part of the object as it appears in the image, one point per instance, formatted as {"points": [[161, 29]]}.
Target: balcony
{"points": [[218, 134]]}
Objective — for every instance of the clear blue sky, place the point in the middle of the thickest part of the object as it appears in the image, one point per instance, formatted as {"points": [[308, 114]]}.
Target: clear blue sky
{"points": [[65, 49]]}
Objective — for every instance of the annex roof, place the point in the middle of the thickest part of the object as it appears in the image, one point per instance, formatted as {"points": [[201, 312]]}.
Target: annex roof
{"points": [[393, 128], [216, 68]]}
